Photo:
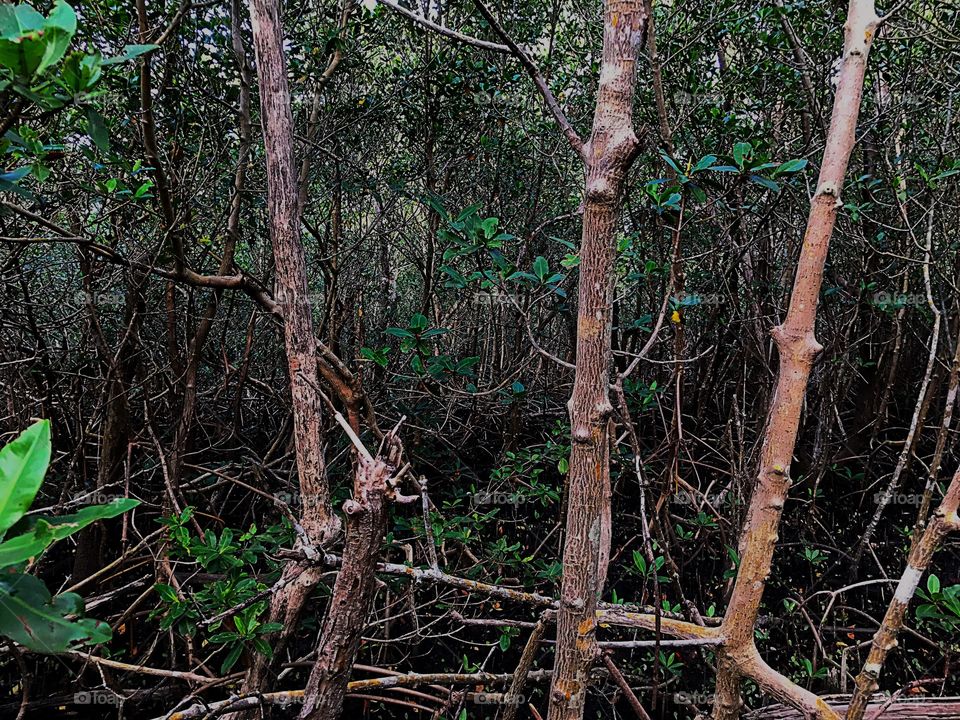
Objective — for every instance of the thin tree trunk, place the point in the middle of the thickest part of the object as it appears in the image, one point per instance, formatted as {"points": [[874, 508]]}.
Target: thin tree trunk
{"points": [[944, 521], [320, 524], [354, 588], [608, 154], [797, 346]]}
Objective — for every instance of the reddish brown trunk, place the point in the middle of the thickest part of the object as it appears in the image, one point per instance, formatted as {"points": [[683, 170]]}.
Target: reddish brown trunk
{"points": [[319, 523], [798, 347]]}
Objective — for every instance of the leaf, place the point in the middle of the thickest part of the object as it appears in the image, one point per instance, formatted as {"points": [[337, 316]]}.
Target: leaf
{"points": [[23, 463], [48, 531], [933, 584], [418, 322], [231, 659], [741, 151], [166, 592], [765, 182], [31, 617], [58, 32], [130, 52], [541, 267], [790, 166], [16, 175], [489, 227], [670, 161], [704, 163], [97, 129]]}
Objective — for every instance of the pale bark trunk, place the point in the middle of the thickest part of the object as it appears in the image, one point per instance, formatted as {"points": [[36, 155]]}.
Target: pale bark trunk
{"points": [[608, 154], [944, 521], [797, 347]]}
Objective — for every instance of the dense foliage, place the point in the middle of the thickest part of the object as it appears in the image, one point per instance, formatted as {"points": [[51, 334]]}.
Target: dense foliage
{"points": [[441, 222]]}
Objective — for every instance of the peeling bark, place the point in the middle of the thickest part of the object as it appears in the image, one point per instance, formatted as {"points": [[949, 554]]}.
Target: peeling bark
{"points": [[353, 590]]}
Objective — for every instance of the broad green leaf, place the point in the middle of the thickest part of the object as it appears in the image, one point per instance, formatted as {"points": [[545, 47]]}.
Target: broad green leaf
{"points": [[231, 659], [18, 20], [47, 531], [765, 182], [97, 128], [130, 52], [790, 166], [31, 617], [541, 267], [705, 162], [59, 31], [23, 464], [741, 151]]}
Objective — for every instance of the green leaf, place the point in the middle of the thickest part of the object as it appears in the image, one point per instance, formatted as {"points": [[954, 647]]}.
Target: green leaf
{"points": [[540, 267], [790, 166], [130, 52], [489, 227], [31, 617], [166, 592], [765, 182], [47, 531], [23, 463], [231, 659], [703, 163], [97, 129], [419, 322], [58, 32], [741, 151]]}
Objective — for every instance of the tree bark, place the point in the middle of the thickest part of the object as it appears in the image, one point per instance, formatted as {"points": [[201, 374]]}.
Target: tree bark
{"points": [[353, 590], [320, 524], [798, 347], [945, 521], [607, 155]]}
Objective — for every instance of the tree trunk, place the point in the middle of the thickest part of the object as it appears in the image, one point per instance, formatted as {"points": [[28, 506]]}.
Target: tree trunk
{"points": [[608, 154], [353, 590], [944, 522], [797, 346], [319, 523]]}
